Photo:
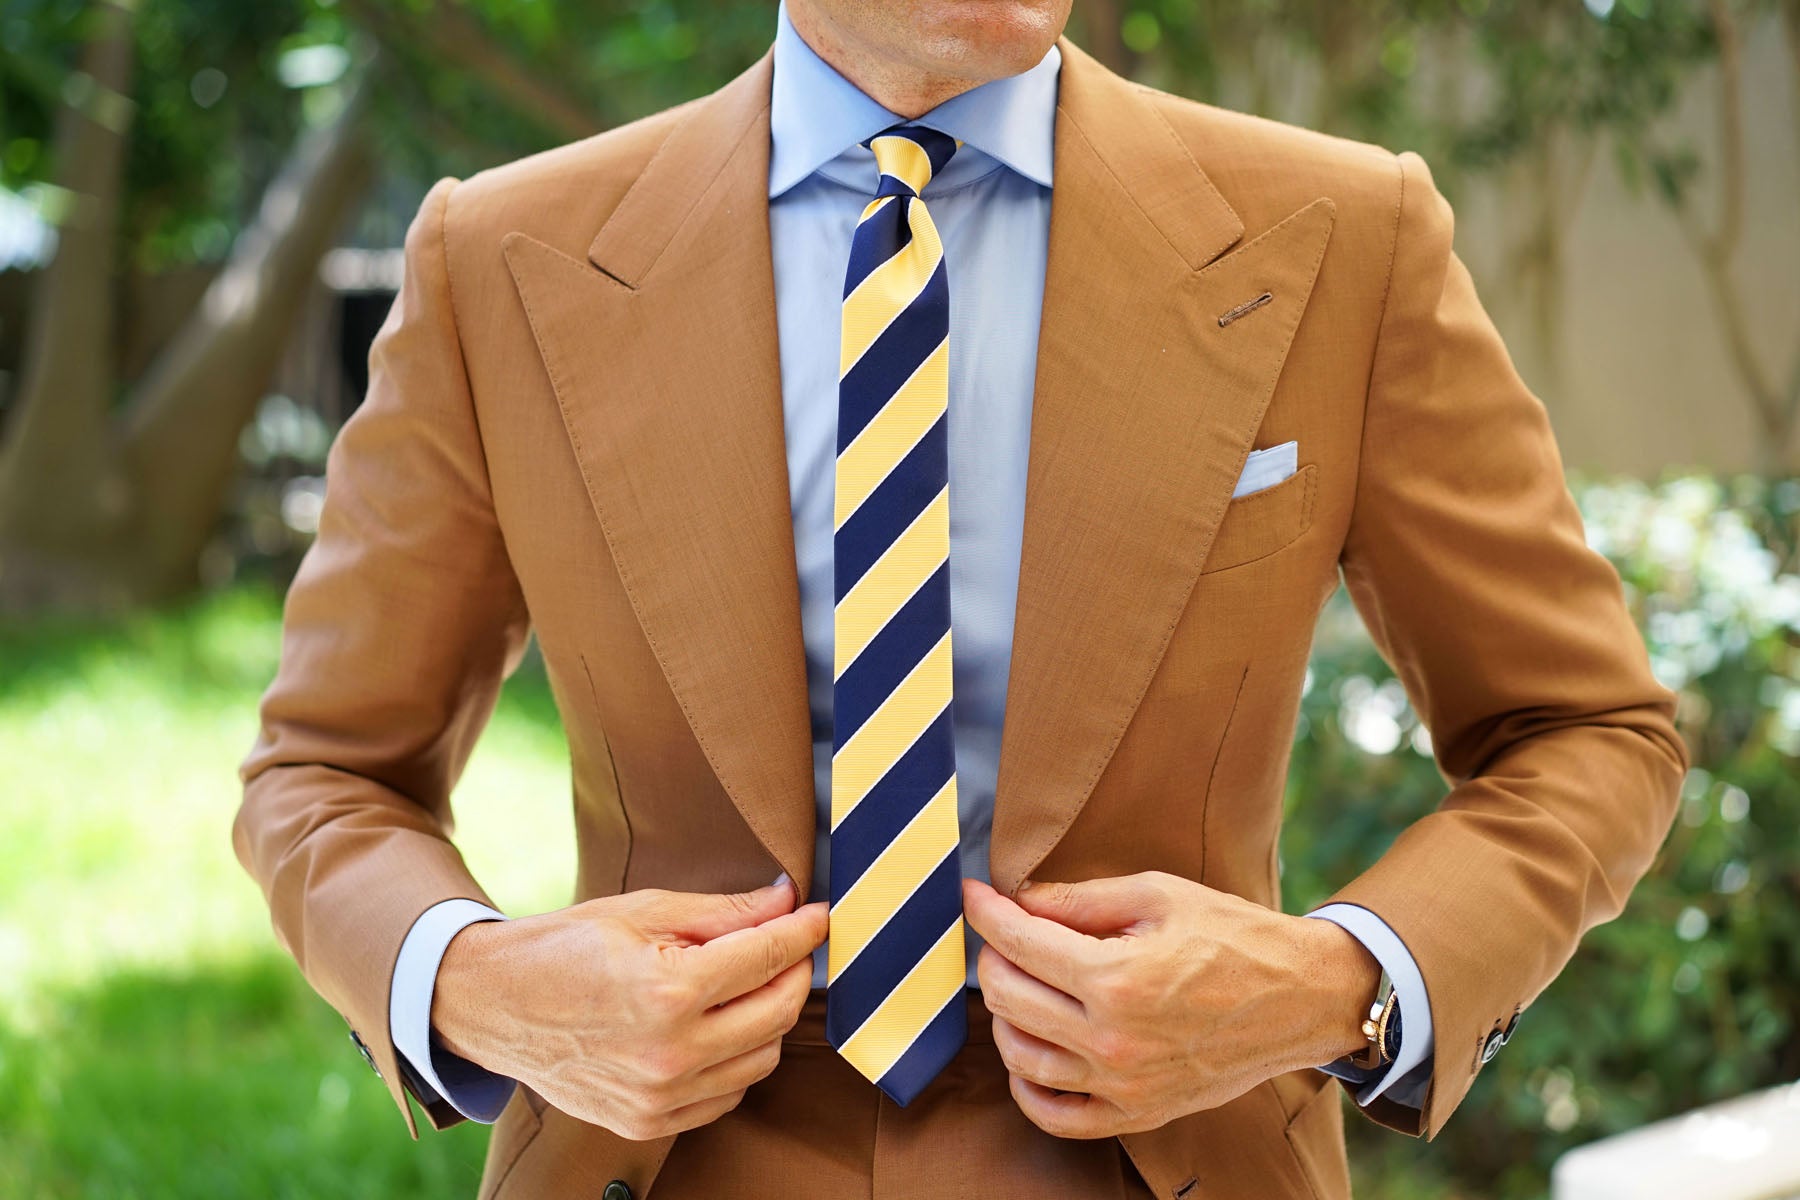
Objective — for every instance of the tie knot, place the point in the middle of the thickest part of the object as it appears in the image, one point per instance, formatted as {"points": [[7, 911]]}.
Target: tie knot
{"points": [[908, 156]]}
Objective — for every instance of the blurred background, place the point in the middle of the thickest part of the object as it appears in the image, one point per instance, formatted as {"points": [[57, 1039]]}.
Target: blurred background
{"points": [[201, 208]]}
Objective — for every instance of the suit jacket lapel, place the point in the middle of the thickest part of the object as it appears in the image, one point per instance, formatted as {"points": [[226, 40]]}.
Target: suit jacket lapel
{"points": [[662, 351], [1144, 411]]}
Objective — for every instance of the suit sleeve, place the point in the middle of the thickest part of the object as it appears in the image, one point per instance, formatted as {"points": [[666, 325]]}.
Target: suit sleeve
{"points": [[1467, 559], [400, 626]]}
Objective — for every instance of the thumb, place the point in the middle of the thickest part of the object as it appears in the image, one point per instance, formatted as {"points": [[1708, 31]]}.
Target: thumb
{"points": [[1096, 906], [703, 916]]}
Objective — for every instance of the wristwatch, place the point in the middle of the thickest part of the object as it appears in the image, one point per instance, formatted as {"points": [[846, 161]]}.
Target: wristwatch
{"points": [[1381, 1027]]}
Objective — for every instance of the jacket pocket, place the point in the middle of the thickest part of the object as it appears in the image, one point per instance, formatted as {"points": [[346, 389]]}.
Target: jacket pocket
{"points": [[1260, 523]]}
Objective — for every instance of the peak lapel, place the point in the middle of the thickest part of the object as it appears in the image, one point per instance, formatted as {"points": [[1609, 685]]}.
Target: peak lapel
{"points": [[662, 352], [1144, 411]]}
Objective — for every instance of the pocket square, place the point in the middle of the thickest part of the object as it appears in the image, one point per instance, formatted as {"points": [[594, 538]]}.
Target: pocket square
{"points": [[1266, 468]]}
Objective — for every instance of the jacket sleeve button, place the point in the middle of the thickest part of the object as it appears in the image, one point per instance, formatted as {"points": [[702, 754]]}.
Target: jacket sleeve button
{"points": [[1491, 1047], [616, 1190], [363, 1049]]}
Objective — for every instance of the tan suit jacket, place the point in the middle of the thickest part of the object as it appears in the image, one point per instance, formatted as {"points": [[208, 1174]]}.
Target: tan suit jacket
{"points": [[574, 427]]}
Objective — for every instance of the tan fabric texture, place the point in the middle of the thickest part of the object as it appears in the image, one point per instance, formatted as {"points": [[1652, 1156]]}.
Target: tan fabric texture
{"points": [[816, 1120], [574, 429]]}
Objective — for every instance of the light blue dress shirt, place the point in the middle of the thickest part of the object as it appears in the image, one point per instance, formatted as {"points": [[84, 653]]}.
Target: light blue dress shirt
{"points": [[991, 205]]}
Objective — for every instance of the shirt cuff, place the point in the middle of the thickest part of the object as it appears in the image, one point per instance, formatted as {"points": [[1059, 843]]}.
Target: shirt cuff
{"points": [[1403, 1080], [472, 1090]]}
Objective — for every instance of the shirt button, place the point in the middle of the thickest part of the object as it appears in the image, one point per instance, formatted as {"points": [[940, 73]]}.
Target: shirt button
{"points": [[616, 1190]]}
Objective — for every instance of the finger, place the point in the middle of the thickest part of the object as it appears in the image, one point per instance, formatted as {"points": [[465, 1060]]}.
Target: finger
{"points": [[737, 1074], [1054, 953], [692, 1116], [1063, 1114], [1030, 1004], [1097, 906], [754, 1017], [1039, 1061], [694, 917], [745, 959]]}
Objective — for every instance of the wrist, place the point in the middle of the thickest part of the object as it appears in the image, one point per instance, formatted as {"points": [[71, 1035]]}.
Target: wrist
{"points": [[463, 991], [1340, 979]]}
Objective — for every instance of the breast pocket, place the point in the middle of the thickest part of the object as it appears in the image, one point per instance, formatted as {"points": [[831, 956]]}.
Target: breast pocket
{"points": [[1260, 523]]}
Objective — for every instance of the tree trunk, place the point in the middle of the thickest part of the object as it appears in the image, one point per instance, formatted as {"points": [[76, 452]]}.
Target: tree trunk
{"points": [[61, 494], [179, 434], [103, 509], [1776, 408]]}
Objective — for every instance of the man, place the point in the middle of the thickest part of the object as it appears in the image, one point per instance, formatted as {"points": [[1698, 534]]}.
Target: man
{"points": [[927, 313]]}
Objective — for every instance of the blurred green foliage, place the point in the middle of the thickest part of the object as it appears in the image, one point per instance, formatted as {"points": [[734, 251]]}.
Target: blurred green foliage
{"points": [[210, 122], [1399, 72], [222, 86], [217, 1081], [154, 1040], [221, 89], [1693, 995]]}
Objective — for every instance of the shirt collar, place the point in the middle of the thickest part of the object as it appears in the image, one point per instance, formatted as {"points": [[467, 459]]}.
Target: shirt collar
{"points": [[817, 116]]}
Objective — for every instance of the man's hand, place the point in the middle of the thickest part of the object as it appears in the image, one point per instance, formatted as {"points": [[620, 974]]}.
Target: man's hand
{"points": [[1121, 1004], [646, 1013]]}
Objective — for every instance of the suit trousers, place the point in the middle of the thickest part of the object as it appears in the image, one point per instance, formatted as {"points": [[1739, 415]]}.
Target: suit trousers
{"points": [[815, 1129]]}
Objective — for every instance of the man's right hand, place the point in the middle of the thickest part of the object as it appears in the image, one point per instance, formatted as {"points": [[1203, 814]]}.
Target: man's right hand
{"points": [[646, 1013]]}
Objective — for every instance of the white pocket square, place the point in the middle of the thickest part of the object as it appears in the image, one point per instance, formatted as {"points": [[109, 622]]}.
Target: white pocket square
{"points": [[1266, 468]]}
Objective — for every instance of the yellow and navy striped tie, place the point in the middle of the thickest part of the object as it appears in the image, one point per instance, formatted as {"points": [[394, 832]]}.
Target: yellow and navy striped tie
{"points": [[894, 1001]]}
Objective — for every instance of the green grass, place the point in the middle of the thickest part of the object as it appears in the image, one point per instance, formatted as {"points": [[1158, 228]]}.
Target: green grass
{"points": [[154, 1041]]}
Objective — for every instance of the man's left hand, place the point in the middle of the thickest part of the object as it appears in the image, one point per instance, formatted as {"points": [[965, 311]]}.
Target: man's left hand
{"points": [[1122, 1004]]}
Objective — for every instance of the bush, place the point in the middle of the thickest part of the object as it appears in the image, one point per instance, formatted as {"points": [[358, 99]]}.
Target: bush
{"points": [[1691, 995]]}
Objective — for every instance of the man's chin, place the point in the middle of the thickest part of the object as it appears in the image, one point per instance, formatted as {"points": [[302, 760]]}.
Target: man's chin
{"points": [[979, 39]]}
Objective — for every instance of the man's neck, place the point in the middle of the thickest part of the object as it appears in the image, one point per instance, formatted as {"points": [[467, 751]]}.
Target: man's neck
{"points": [[898, 87]]}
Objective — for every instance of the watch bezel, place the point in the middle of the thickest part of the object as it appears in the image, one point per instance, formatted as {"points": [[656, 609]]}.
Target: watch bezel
{"points": [[1382, 1015]]}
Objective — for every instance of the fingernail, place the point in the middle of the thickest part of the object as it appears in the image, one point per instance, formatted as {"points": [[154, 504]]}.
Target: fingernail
{"points": [[781, 879]]}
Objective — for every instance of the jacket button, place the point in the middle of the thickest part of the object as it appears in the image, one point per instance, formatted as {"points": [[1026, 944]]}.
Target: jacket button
{"points": [[1506, 1034], [1495, 1039], [616, 1190], [363, 1049]]}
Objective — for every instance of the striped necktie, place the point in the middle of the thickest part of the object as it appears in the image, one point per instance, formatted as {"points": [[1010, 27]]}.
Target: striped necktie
{"points": [[894, 1001]]}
